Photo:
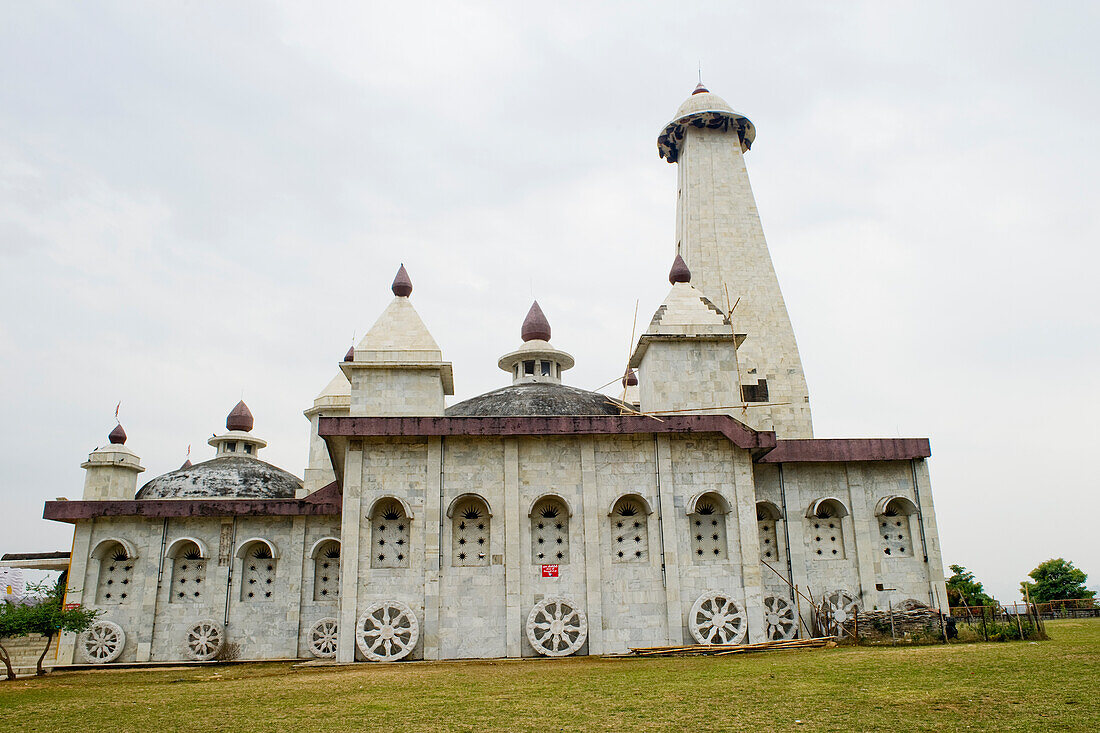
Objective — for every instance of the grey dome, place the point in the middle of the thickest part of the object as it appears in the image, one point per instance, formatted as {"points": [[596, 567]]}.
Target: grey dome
{"points": [[538, 398], [225, 477]]}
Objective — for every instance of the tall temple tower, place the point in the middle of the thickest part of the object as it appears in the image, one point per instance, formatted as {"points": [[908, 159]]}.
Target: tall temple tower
{"points": [[719, 235]]}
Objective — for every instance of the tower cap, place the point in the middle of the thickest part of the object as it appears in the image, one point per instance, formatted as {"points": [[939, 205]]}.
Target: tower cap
{"points": [[535, 325], [240, 418], [402, 286], [679, 272], [630, 379], [117, 436]]}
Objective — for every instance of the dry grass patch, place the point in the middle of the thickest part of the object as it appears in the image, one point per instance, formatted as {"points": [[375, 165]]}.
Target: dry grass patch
{"points": [[1010, 686]]}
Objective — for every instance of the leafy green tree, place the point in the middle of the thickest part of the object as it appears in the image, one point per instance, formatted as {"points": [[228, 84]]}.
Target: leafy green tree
{"points": [[46, 616], [963, 590], [1057, 580]]}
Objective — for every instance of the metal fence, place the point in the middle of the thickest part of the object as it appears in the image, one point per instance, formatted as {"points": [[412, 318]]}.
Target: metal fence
{"points": [[1075, 608]]}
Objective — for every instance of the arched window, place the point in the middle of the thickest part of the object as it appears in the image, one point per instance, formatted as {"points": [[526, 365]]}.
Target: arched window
{"points": [[116, 572], [258, 565], [470, 519], [630, 530], [188, 572], [550, 531], [707, 518], [824, 530], [767, 515], [390, 535], [326, 570], [893, 515]]}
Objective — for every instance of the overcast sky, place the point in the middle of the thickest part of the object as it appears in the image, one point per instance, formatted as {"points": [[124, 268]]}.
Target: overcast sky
{"points": [[204, 200]]}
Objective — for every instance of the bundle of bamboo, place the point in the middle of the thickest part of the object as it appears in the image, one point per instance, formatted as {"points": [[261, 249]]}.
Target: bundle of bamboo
{"points": [[721, 650]]}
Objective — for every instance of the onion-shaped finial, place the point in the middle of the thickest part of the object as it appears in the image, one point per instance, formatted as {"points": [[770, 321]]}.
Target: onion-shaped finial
{"points": [[117, 436], [240, 418], [402, 285], [535, 325], [679, 272]]}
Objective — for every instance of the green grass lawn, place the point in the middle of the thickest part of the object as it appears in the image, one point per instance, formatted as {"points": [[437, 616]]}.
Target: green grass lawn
{"points": [[1047, 686]]}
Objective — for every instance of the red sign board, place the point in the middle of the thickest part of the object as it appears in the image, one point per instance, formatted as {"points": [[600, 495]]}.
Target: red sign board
{"points": [[549, 571], [71, 606]]}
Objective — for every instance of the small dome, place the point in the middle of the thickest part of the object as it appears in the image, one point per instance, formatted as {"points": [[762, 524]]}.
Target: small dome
{"points": [[350, 356], [117, 436], [226, 477], [240, 418], [700, 89], [536, 398], [402, 286], [186, 464], [535, 326], [679, 272], [630, 379]]}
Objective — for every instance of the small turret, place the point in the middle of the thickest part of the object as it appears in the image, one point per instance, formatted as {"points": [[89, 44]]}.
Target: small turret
{"points": [[536, 360], [111, 471], [238, 441], [687, 358], [398, 368]]}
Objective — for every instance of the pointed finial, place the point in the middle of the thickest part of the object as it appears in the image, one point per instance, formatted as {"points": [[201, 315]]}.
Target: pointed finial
{"points": [[117, 436], [700, 89], [350, 356], [240, 418], [535, 325], [679, 272], [402, 286], [186, 464], [630, 379]]}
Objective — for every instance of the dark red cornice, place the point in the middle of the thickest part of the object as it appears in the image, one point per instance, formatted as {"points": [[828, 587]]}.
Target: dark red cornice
{"points": [[327, 500], [363, 427], [847, 449]]}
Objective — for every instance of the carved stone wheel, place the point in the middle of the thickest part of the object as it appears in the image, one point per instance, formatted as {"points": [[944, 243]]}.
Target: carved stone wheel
{"points": [[556, 627], [387, 631], [322, 638], [779, 618], [102, 642], [841, 606], [717, 619], [204, 640]]}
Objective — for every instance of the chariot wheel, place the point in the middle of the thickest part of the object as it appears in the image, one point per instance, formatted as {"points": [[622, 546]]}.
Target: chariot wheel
{"points": [[717, 619], [779, 621], [387, 631], [205, 640], [102, 642], [556, 627], [840, 606], [322, 638]]}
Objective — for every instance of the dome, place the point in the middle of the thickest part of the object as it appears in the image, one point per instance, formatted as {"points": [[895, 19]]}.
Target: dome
{"points": [[704, 102], [227, 477], [536, 399]]}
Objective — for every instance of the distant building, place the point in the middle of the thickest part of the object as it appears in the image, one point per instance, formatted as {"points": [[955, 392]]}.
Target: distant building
{"points": [[538, 518]]}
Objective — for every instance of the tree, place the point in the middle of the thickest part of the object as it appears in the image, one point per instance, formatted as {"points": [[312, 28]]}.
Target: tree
{"points": [[963, 590], [46, 616], [1056, 580]]}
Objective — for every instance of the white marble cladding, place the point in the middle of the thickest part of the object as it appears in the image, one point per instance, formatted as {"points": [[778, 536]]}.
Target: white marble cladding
{"points": [[721, 239], [481, 611]]}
